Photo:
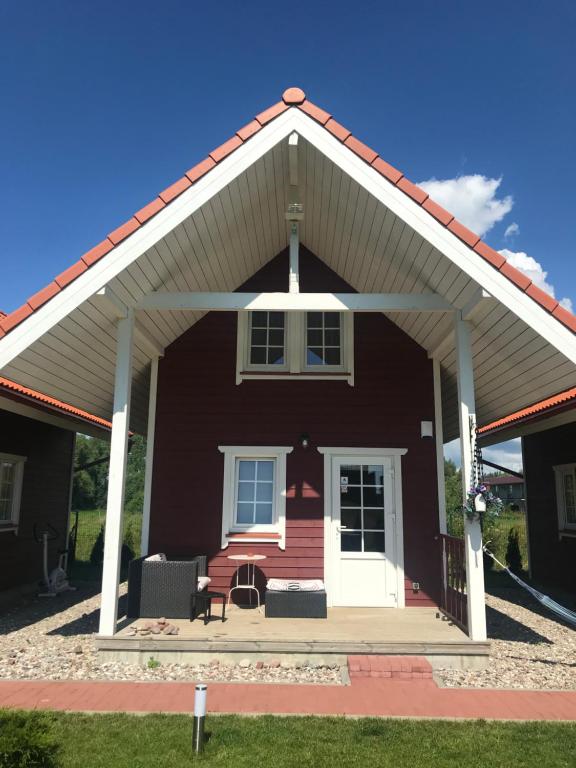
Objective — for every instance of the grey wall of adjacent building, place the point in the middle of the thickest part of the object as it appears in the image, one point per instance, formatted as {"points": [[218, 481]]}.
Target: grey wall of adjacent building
{"points": [[45, 495]]}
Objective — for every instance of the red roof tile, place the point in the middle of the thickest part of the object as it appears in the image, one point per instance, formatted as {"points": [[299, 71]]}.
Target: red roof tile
{"points": [[292, 98], [11, 386], [525, 414]]}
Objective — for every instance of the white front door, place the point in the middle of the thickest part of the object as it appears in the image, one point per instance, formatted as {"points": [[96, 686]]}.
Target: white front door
{"points": [[364, 531]]}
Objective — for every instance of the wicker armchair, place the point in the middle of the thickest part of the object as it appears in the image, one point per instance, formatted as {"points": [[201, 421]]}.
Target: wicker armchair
{"points": [[163, 588]]}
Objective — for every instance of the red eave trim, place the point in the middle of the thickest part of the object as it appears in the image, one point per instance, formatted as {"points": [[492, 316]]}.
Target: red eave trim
{"points": [[69, 410], [291, 98], [525, 414]]}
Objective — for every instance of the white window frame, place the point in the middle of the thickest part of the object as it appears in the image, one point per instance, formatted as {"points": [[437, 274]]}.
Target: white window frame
{"points": [[229, 527], [18, 461], [560, 470], [295, 366]]}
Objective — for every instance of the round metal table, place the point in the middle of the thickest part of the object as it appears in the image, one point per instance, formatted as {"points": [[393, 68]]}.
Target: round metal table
{"points": [[249, 561]]}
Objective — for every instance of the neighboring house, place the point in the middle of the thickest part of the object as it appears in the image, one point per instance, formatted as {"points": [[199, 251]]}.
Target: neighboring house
{"points": [[36, 463], [297, 328], [509, 488], [548, 433]]}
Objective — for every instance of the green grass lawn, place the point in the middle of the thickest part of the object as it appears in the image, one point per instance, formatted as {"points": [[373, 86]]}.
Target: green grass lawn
{"points": [[125, 741]]}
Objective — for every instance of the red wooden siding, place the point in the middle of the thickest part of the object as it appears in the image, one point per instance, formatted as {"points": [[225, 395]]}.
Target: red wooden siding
{"points": [[200, 407], [551, 558]]}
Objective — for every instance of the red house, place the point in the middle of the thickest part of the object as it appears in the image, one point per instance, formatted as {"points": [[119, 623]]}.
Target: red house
{"points": [[298, 328]]}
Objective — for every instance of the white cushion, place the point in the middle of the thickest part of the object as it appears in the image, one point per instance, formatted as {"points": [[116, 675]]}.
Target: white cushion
{"points": [[160, 557], [203, 582]]}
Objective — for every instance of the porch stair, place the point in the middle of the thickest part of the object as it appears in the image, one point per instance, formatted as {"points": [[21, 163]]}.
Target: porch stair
{"points": [[393, 667]]}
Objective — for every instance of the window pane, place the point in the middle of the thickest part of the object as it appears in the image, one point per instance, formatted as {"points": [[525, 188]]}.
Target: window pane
{"points": [[374, 542], [570, 497], [350, 496], [259, 319], [244, 513], [351, 542], [350, 473], [351, 518], [332, 356], [374, 518], [259, 337], [314, 320], [246, 491], [373, 475], [314, 337], [331, 319], [332, 338], [246, 469], [264, 514], [7, 472], [264, 491], [265, 470], [276, 319], [374, 496], [276, 337], [276, 356], [314, 356], [258, 355]]}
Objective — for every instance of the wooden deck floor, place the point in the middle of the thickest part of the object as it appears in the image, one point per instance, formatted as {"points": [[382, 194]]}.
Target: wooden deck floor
{"points": [[345, 631]]}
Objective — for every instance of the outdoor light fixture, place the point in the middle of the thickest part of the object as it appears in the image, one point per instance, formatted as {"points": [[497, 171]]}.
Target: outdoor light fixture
{"points": [[200, 693], [426, 429], [305, 440]]}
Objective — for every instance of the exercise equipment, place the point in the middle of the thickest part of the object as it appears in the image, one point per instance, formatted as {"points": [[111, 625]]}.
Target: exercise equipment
{"points": [[55, 581]]}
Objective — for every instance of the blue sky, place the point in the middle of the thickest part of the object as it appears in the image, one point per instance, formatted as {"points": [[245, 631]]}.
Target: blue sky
{"points": [[104, 104]]}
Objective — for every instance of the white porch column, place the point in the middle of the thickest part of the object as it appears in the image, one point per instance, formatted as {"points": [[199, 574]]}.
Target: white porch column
{"points": [[149, 456], [439, 435], [117, 475], [472, 530]]}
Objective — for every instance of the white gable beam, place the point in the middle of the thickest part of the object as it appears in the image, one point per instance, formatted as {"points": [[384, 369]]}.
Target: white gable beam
{"points": [[296, 302], [119, 309], [560, 337], [478, 300]]}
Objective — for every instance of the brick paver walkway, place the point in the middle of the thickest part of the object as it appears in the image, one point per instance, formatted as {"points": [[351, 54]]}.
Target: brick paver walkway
{"points": [[383, 697]]}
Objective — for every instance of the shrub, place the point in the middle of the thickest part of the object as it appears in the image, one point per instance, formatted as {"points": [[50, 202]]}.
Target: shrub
{"points": [[513, 555], [26, 741]]}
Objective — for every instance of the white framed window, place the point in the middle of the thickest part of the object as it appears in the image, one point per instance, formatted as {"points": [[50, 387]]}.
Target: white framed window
{"points": [[11, 477], [306, 345], [566, 496], [254, 494]]}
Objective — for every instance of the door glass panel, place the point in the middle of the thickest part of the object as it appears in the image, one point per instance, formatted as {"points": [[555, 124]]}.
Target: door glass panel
{"points": [[374, 542], [351, 518], [362, 508], [351, 541], [374, 519], [373, 496]]}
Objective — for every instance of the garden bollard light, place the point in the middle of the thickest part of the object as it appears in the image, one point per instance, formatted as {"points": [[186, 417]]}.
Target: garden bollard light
{"points": [[199, 717]]}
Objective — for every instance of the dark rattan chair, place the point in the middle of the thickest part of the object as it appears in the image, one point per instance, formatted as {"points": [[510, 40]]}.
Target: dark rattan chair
{"points": [[162, 588]]}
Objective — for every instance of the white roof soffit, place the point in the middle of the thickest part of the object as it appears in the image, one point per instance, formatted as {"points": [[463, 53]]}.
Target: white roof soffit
{"points": [[231, 222]]}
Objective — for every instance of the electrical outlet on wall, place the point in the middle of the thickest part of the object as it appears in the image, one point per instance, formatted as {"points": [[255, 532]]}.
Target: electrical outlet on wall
{"points": [[416, 586]]}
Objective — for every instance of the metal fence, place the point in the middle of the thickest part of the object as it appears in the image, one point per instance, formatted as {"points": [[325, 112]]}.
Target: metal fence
{"points": [[454, 601], [86, 542]]}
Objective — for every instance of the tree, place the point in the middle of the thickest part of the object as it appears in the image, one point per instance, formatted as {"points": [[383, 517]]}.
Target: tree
{"points": [[453, 490]]}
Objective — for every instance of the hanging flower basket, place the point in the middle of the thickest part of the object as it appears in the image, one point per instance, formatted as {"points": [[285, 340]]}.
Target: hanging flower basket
{"points": [[482, 504]]}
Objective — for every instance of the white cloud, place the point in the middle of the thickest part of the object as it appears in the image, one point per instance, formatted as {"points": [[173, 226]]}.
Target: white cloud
{"points": [[534, 270], [512, 230], [507, 454], [472, 200]]}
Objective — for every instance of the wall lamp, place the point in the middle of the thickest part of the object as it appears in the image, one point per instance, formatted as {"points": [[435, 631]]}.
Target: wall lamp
{"points": [[426, 429], [304, 440]]}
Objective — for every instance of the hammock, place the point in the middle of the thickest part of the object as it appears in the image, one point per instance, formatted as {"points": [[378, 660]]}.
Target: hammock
{"points": [[552, 605]]}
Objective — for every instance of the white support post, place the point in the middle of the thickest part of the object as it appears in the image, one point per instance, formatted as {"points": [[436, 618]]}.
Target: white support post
{"points": [[149, 456], [294, 279], [117, 476], [472, 529], [439, 434]]}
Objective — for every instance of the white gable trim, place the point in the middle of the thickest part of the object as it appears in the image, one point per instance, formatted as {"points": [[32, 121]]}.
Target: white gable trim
{"points": [[95, 278], [439, 236]]}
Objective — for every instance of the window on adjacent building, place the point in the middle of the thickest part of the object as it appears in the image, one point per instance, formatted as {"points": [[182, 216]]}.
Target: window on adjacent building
{"points": [[11, 475], [566, 495], [282, 344], [254, 494]]}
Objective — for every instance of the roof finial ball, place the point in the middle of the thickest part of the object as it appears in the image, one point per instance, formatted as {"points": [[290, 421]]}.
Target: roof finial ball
{"points": [[293, 96]]}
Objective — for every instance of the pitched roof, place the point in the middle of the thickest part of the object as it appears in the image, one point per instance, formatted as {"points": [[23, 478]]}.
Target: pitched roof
{"points": [[525, 414], [503, 480], [6, 385], [291, 98]]}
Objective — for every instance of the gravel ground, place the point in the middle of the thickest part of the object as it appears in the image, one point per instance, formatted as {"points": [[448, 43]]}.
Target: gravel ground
{"points": [[36, 642], [530, 648], [53, 640]]}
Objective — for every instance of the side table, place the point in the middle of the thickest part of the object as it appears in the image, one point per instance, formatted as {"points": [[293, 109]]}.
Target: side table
{"points": [[249, 561], [201, 602]]}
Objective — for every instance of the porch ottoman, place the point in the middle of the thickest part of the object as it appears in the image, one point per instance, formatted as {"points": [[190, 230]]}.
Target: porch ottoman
{"points": [[295, 604]]}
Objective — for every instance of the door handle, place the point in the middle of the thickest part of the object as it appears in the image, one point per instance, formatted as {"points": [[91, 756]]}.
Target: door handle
{"points": [[342, 528]]}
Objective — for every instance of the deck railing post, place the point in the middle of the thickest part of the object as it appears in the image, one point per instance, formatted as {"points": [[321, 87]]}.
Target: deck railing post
{"points": [[149, 456], [117, 476], [472, 529]]}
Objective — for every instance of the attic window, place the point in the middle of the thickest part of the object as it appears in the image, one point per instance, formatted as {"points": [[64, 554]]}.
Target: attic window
{"points": [[310, 345]]}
